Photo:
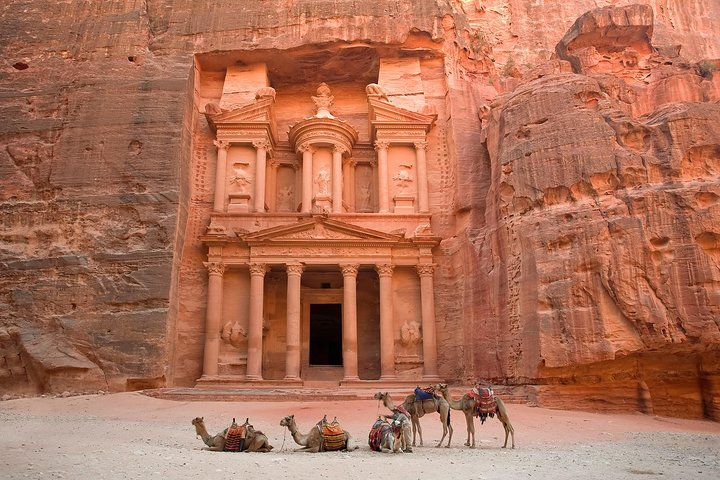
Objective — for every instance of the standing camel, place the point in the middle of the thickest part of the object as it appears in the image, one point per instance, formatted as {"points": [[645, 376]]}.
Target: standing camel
{"points": [[468, 405], [313, 441], [418, 409]]}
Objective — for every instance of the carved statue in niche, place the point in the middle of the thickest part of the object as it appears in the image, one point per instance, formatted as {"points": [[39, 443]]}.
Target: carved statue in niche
{"points": [[323, 181], [233, 334], [323, 101], [410, 333], [403, 178], [285, 198], [240, 177], [364, 189]]}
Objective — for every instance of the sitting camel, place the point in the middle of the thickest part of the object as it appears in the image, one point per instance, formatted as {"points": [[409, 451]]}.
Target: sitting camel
{"points": [[417, 409], [390, 432], [214, 443], [468, 405], [252, 440], [318, 441]]}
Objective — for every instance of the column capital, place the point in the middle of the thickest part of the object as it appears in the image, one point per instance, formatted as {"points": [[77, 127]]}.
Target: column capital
{"points": [[258, 269], [258, 144], [382, 145], [421, 145], [425, 269], [305, 147], [295, 268], [221, 144], [349, 269], [385, 269], [339, 149], [274, 163], [215, 268]]}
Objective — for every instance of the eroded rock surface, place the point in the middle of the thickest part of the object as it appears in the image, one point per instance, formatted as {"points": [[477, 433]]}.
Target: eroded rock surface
{"points": [[576, 164]]}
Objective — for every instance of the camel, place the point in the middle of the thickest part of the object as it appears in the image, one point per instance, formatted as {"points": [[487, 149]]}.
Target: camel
{"points": [[214, 443], [391, 432], [418, 409], [254, 440], [314, 440], [467, 404]]}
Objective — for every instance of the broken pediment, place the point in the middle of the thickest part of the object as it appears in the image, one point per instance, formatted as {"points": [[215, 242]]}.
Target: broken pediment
{"points": [[254, 117], [386, 117], [321, 229]]}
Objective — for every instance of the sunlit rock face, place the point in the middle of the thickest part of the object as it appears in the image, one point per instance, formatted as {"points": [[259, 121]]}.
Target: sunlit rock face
{"points": [[572, 175]]}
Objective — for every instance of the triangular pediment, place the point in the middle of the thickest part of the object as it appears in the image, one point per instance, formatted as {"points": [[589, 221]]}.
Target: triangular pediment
{"points": [[319, 229]]}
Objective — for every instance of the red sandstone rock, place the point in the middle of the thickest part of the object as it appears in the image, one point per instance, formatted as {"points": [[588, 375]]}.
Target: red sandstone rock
{"points": [[578, 212]]}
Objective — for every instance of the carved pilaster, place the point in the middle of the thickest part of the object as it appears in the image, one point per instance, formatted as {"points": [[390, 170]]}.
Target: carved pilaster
{"points": [[258, 268], [295, 268], [385, 270], [381, 145], [215, 268], [425, 270], [305, 147], [421, 145], [350, 269], [221, 144]]}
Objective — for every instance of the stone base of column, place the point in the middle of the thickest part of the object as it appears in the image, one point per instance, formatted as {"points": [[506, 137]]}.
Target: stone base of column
{"points": [[254, 378]]}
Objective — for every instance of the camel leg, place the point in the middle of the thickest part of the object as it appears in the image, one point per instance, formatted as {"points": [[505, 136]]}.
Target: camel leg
{"points": [[505, 419], [470, 423], [416, 425]]}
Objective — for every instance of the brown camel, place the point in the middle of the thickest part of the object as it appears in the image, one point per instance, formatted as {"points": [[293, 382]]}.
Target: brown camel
{"points": [[418, 409], [254, 440], [214, 443], [313, 441], [468, 404]]}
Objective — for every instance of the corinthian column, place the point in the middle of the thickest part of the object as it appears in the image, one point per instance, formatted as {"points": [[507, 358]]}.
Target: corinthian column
{"points": [[213, 317], [307, 177], [349, 327], [261, 149], [255, 326], [427, 300], [337, 179], [387, 337], [292, 354], [220, 172], [384, 189], [420, 160]]}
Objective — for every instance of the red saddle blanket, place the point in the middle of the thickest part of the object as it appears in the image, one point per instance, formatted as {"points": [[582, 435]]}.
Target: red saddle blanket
{"points": [[485, 402], [333, 436], [234, 438]]}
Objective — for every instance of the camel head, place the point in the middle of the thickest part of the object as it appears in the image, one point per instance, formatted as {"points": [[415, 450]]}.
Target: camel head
{"points": [[198, 421], [287, 421], [380, 396], [441, 387]]}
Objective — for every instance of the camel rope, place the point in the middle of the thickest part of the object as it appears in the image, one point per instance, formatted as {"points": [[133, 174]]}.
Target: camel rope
{"points": [[284, 436]]}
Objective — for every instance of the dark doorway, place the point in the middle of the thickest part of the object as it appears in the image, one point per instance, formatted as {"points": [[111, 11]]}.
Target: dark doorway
{"points": [[326, 334]]}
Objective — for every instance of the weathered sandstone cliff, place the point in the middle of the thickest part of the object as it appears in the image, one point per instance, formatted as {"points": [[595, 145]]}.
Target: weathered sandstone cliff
{"points": [[577, 193]]}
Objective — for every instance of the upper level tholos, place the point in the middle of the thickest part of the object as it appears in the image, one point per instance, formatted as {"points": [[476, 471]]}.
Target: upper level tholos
{"points": [[343, 148]]}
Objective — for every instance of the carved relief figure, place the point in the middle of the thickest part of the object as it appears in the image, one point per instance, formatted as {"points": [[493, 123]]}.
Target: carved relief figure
{"points": [[323, 181], [240, 177], [323, 101], [410, 333], [402, 177], [233, 333]]}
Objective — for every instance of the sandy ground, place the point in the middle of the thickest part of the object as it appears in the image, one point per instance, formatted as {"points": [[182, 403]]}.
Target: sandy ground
{"points": [[132, 436]]}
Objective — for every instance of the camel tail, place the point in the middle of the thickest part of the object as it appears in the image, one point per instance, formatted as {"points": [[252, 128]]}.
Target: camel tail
{"points": [[449, 412]]}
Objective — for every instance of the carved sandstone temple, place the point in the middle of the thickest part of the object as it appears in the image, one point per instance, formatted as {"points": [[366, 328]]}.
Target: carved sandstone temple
{"points": [[319, 245]]}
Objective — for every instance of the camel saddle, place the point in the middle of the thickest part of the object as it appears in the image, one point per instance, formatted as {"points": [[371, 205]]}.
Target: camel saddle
{"points": [[333, 436], [378, 430], [235, 438], [422, 394], [485, 403]]}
